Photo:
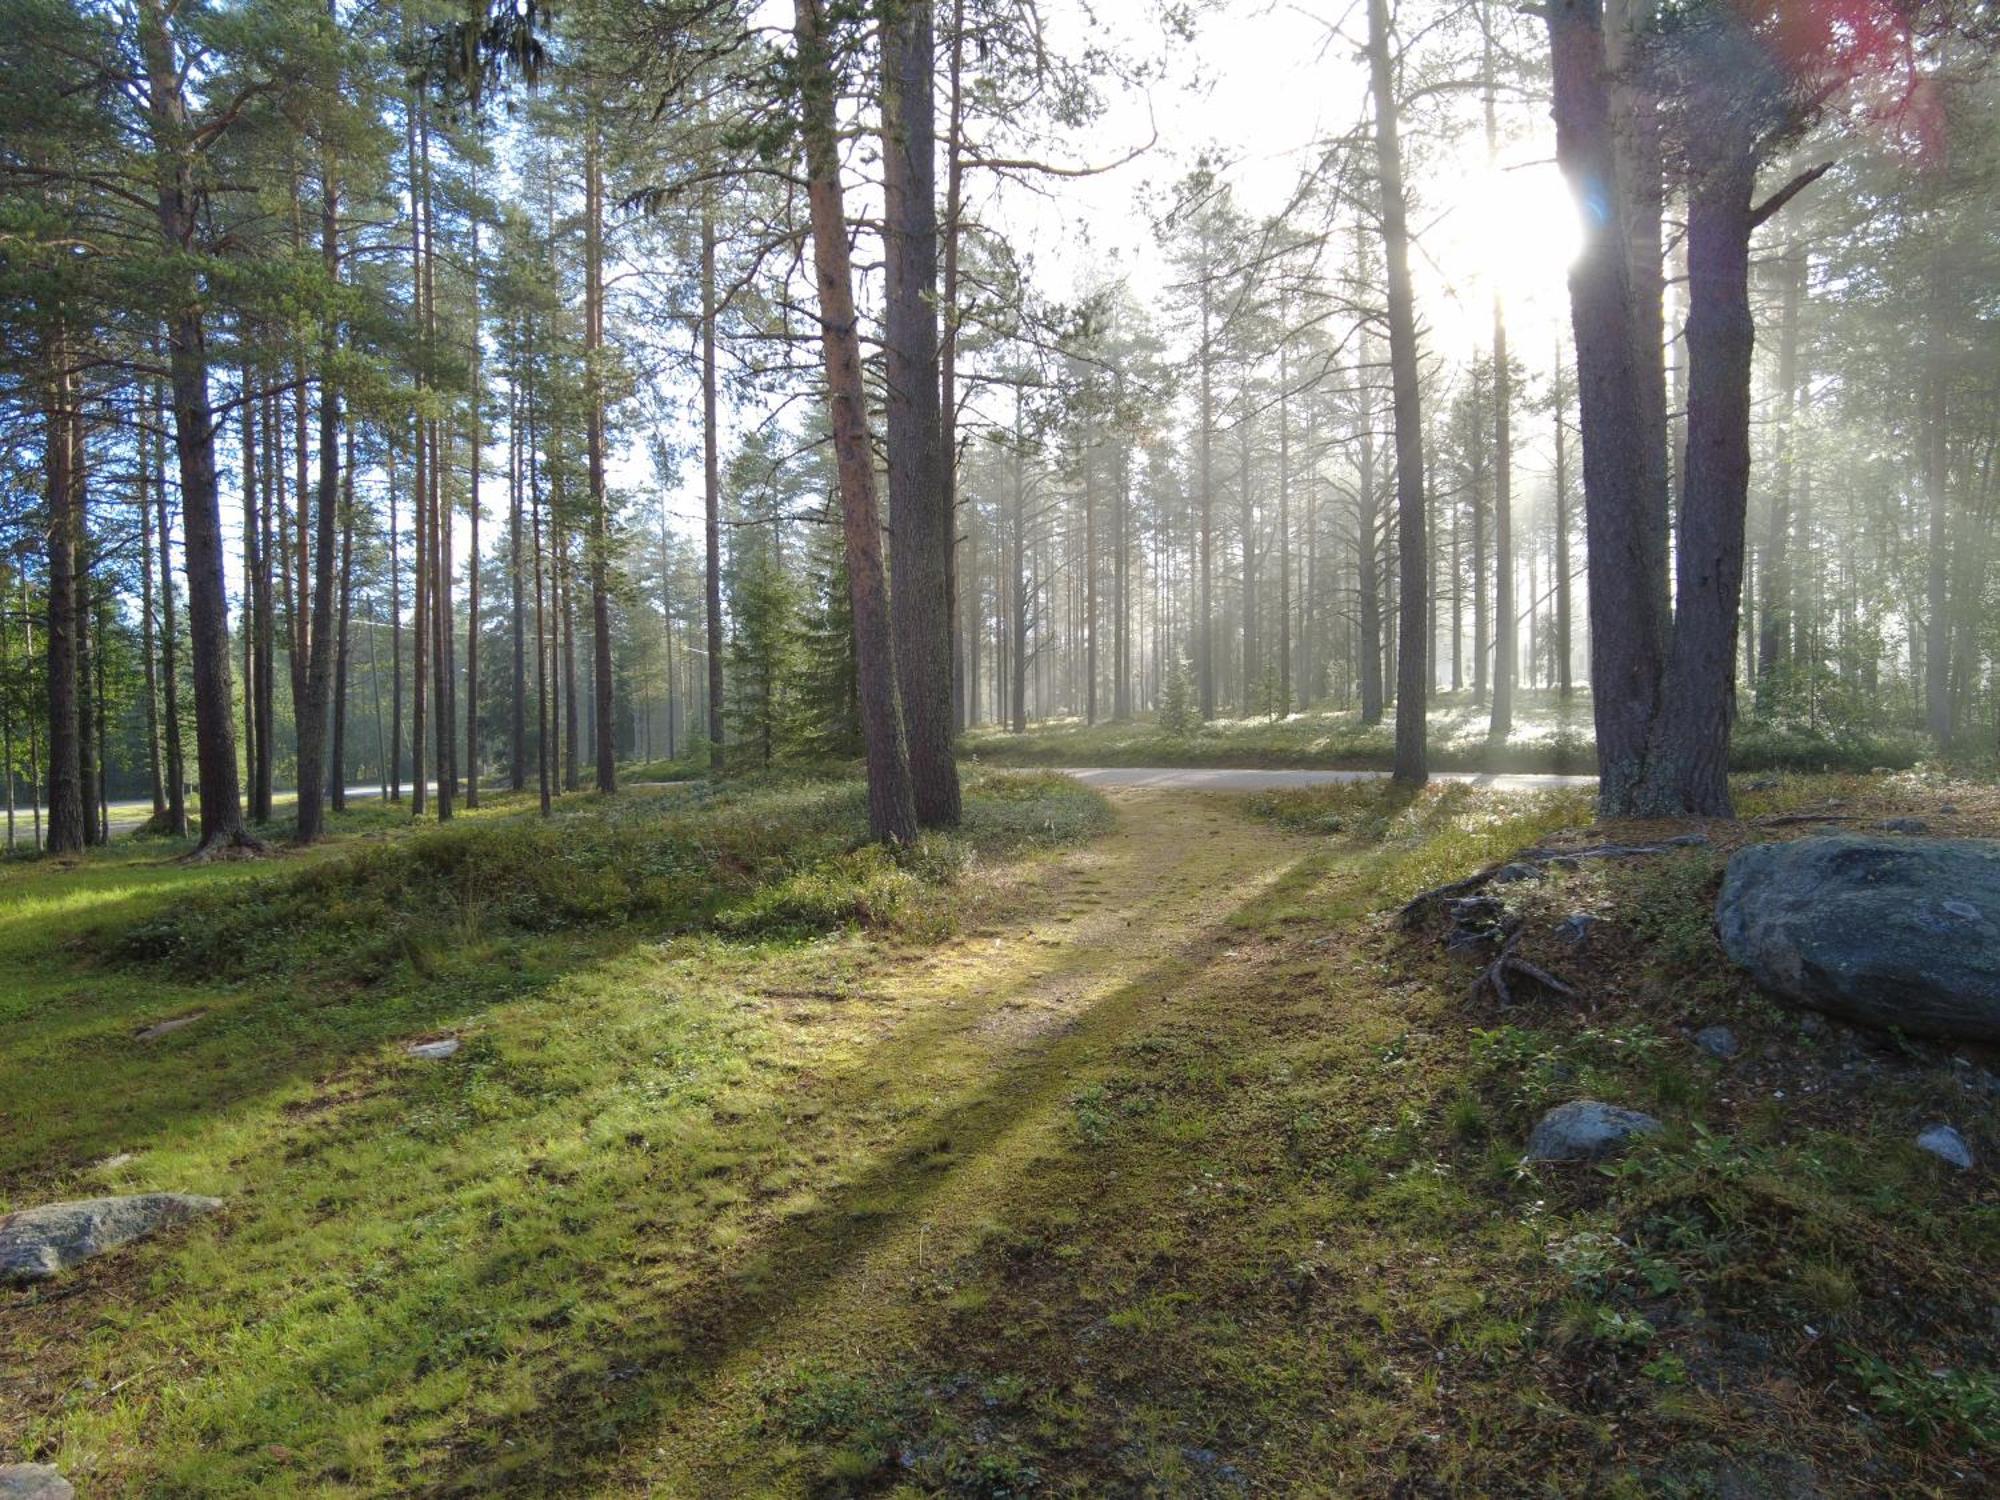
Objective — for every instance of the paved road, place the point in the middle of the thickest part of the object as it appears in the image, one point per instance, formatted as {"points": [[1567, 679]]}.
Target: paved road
{"points": [[1216, 779]]}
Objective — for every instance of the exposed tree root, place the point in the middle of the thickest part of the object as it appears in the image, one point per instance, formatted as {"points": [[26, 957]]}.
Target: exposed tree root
{"points": [[1509, 964]]}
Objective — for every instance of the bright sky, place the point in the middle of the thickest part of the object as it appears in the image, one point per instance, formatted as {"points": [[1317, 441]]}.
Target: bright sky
{"points": [[1262, 85]]}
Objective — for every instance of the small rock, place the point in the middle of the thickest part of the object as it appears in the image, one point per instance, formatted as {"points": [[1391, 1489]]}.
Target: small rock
{"points": [[1574, 929], [37, 1243], [113, 1163], [435, 1051], [1508, 874], [1718, 1041], [1904, 825], [1761, 784], [33, 1482], [1947, 1145], [1586, 1130], [1949, 810], [161, 1028]]}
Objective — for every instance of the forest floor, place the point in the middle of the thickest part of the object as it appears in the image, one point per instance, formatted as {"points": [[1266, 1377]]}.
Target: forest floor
{"points": [[1549, 735], [1160, 1161]]}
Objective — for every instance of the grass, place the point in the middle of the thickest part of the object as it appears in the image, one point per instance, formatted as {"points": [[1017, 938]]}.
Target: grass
{"points": [[1142, 1156], [1548, 735]]}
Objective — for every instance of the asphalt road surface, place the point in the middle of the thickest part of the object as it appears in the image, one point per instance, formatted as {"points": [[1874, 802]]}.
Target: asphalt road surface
{"points": [[1216, 779]]}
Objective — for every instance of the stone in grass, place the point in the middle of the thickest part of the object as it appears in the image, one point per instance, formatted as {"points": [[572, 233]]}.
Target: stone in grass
{"points": [[1947, 1145], [1904, 825], [37, 1243], [1586, 1130], [434, 1051], [166, 1028], [33, 1482], [1718, 1041], [1509, 874], [1890, 932], [1574, 929]]}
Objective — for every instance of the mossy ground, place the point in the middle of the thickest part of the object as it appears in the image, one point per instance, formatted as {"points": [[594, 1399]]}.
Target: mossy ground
{"points": [[1161, 1164]]}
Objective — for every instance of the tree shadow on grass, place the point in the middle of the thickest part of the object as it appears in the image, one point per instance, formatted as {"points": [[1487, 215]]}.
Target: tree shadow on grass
{"points": [[668, 1359]]}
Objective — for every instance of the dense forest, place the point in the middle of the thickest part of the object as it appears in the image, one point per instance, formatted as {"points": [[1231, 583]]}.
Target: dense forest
{"points": [[427, 398]]}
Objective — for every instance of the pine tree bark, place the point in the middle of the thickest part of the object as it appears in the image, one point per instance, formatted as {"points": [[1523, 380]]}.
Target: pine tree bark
{"points": [[65, 774], [1623, 513], [194, 441], [320, 646], [920, 489], [602, 723], [336, 760], [1413, 657], [170, 671], [892, 813], [1687, 757], [711, 471]]}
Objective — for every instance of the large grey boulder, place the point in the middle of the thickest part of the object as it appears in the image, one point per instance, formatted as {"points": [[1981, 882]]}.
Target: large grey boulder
{"points": [[1901, 932], [37, 1243], [33, 1482], [1586, 1130]]}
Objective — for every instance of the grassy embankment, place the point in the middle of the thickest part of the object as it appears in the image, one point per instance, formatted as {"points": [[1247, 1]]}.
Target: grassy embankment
{"points": [[1164, 1163], [1548, 735]]}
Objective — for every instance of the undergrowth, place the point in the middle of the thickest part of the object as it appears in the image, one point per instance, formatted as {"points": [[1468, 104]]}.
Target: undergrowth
{"points": [[767, 856]]}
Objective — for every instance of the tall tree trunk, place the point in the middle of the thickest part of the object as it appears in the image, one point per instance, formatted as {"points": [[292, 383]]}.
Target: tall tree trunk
{"points": [[1284, 523], [1565, 646], [170, 646], [395, 637], [1205, 481], [65, 776], [1505, 643], [602, 723], [1687, 759], [475, 463], [517, 739], [964, 635], [544, 756], [320, 647], [194, 440], [566, 596], [336, 760], [1621, 507], [892, 813], [1774, 626], [711, 469], [1937, 573], [148, 640], [1413, 659], [1367, 553], [920, 489]]}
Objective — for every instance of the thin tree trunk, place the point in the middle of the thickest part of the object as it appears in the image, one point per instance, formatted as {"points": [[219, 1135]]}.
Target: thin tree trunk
{"points": [[1413, 658], [320, 649], [711, 469], [148, 641], [601, 720], [65, 775], [1565, 687], [336, 760]]}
